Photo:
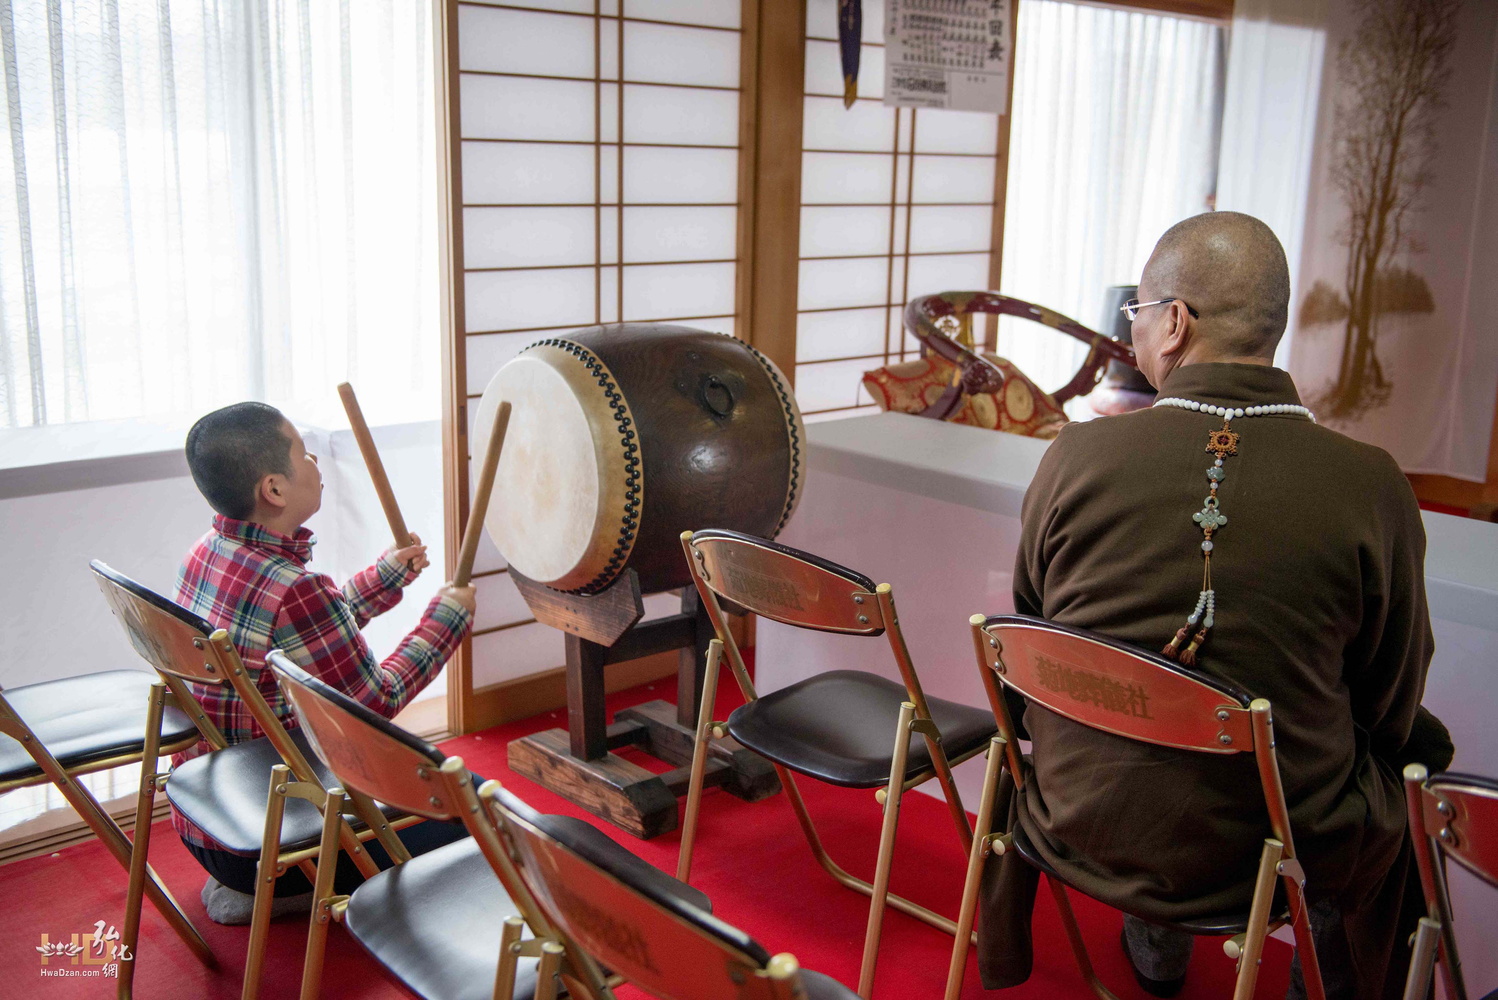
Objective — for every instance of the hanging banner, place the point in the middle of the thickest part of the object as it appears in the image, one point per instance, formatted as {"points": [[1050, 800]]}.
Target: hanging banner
{"points": [[951, 54], [1398, 289], [850, 45]]}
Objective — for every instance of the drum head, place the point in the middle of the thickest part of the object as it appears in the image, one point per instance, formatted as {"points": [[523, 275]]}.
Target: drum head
{"points": [[552, 514]]}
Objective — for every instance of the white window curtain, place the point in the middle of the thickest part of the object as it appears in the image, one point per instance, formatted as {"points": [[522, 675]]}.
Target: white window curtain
{"points": [[1114, 139], [203, 201]]}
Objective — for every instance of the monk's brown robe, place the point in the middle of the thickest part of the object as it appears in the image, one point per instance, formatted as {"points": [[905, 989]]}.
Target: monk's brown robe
{"points": [[1319, 575]]}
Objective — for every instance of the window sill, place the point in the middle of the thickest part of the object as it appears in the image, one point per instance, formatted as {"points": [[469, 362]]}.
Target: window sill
{"points": [[37, 461]]}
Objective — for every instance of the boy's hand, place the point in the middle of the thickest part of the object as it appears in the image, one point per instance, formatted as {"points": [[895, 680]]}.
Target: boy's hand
{"points": [[414, 556], [463, 595]]}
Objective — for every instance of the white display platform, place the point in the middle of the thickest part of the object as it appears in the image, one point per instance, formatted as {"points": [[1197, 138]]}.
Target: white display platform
{"points": [[933, 509]]}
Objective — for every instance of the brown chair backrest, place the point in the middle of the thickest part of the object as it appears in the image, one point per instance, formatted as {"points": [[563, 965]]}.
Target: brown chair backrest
{"points": [[184, 647], [367, 752], [166, 635], [1102, 683], [662, 945], [1461, 813], [785, 584]]}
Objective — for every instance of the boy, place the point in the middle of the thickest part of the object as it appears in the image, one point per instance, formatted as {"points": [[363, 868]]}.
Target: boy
{"points": [[249, 575]]}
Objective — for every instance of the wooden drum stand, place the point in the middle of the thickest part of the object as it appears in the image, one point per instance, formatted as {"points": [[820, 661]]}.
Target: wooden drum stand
{"points": [[578, 763]]}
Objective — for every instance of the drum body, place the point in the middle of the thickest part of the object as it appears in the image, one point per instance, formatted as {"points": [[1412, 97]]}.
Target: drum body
{"points": [[621, 437]]}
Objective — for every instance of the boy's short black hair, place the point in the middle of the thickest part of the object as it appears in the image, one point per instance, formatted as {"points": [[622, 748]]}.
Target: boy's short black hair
{"points": [[230, 450]]}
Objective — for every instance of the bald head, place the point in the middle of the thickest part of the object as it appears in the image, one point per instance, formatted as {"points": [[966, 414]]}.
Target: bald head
{"points": [[1231, 269]]}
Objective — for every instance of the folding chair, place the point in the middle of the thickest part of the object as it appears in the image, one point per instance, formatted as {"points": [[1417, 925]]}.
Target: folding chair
{"points": [[849, 728], [614, 915], [56, 731], [441, 923], [224, 792], [1159, 702], [1451, 816]]}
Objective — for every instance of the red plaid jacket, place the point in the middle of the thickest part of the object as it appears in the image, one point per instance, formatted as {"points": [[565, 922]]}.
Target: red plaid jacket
{"points": [[254, 582]]}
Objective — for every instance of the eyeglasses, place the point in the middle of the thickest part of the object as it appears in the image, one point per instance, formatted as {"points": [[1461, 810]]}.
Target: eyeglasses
{"points": [[1131, 308]]}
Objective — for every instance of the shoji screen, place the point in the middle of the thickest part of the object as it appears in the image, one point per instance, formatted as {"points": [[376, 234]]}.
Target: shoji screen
{"points": [[599, 184], [895, 203]]}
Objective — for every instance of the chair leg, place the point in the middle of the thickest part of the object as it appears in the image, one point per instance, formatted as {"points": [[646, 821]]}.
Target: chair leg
{"points": [[967, 911], [1423, 960], [140, 850], [322, 895], [831, 867], [504, 973], [1449, 959], [1305, 941], [119, 845], [1074, 936], [1258, 926], [265, 881], [546, 970], [886, 850], [699, 759]]}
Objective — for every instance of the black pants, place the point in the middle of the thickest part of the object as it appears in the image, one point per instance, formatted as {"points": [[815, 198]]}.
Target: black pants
{"points": [[238, 872]]}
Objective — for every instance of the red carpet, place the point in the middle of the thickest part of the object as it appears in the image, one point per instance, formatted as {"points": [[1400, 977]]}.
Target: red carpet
{"points": [[751, 859]]}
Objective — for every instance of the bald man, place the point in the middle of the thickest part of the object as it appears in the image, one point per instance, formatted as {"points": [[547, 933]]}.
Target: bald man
{"points": [[1318, 604]]}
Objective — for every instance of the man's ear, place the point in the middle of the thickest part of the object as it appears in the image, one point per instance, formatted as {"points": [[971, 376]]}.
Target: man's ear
{"points": [[1178, 333], [272, 491]]}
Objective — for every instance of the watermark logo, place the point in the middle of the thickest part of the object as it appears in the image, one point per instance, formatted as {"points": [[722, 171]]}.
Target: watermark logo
{"points": [[97, 954]]}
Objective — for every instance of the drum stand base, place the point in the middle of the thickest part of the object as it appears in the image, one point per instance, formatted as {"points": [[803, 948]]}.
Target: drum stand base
{"points": [[578, 763]]}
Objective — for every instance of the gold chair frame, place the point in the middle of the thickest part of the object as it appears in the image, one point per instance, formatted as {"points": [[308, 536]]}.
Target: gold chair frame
{"points": [[1204, 717], [867, 614], [164, 634], [443, 792], [1456, 816], [742, 977], [143, 880]]}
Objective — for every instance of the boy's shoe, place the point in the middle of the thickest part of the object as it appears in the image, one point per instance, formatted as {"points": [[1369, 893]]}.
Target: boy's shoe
{"points": [[233, 908]]}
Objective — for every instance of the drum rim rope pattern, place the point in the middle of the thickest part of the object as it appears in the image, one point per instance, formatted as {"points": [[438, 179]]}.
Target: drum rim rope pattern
{"points": [[793, 425], [633, 489]]}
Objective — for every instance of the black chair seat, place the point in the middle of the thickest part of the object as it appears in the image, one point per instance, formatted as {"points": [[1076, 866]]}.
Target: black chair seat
{"points": [[838, 727], [434, 924], [820, 987], [225, 793], [435, 921], [85, 719], [1218, 925]]}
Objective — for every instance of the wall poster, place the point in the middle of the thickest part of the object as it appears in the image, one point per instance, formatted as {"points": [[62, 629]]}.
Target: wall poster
{"points": [[951, 54]]}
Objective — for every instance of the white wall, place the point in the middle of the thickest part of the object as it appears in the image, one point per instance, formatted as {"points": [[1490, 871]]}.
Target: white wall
{"points": [[55, 622]]}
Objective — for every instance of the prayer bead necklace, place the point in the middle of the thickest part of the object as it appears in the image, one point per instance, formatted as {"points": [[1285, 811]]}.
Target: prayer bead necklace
{"points": [[1221, 444]]}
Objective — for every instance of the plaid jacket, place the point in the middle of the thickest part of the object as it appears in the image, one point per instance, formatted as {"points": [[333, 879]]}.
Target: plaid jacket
{"points": [[254, 582]]}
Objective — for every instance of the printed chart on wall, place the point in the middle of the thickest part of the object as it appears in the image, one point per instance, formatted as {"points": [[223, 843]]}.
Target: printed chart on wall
{"points": [[951, 54]]}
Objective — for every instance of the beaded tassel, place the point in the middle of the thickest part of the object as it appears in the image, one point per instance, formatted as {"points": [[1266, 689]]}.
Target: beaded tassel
{"points": [[1220, 443]]}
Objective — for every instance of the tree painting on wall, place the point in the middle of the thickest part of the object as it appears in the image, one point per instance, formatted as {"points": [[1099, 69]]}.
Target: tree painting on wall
{"points": [[1392, 73]]}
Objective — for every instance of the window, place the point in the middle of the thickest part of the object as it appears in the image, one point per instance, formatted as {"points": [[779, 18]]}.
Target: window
{"points": [[202, 202], [1114, 139], [895, 203], [600, 171]]}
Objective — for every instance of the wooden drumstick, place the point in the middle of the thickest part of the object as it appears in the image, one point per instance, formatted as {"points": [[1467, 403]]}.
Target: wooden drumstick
{"points": [[480, 507], [376, 467]]}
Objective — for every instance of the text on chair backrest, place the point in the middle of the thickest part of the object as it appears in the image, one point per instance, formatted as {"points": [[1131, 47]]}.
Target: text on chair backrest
{"points": [[680, 953], [786, 585], [1117, 690]]}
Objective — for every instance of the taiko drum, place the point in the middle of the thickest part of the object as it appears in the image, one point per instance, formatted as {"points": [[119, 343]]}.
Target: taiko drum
{"points": [[623, 436]]}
